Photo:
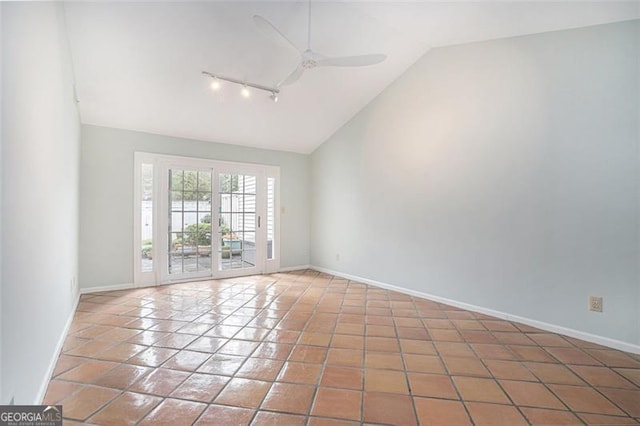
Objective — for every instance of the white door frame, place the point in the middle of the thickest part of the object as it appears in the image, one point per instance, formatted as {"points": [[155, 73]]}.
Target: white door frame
{"points": [[160, 162]]}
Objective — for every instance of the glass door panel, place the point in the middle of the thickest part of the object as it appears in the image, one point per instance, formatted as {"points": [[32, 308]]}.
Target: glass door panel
{"points": [[189, 230], [237, 224], [271, 217], [146, 217]]}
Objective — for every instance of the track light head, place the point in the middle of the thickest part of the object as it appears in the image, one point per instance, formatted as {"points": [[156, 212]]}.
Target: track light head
{"points": [[245, 92], [215, 84], [274, 97]]}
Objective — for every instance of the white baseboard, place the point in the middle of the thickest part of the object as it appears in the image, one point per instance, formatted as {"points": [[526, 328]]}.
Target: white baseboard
{"points": [[294, 268], [54, 359], [593, 338], [112, 287]]}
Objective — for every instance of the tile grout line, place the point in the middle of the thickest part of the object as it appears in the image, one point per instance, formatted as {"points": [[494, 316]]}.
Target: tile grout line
{"points": [[453, 383], [257, 409], [497, 381], [274, 381], [404, 363], [191, 373], [318, 384], [587, 384], [543, 383]]}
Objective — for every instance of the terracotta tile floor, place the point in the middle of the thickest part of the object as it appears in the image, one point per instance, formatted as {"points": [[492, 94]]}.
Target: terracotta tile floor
{"points": [[308, 348]]}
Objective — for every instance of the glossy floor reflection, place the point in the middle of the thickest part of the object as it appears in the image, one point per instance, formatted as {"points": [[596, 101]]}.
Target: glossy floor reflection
{"points": [[308, 348]]}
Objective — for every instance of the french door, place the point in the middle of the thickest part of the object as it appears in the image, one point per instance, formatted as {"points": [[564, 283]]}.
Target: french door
{"points": [[186, 198], [239, 240], [214, 219]]}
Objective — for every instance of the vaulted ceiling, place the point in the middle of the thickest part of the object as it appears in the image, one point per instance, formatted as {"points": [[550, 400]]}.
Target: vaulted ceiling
{"points": [[138, 65]]}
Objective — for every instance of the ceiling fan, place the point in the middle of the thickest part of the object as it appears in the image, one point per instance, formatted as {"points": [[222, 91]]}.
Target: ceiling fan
{"points": [[309, 58]]}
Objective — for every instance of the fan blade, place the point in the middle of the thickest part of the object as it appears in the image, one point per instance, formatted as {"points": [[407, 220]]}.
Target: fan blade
{"points": [[293, 77], [351, 61], [270, 30]]}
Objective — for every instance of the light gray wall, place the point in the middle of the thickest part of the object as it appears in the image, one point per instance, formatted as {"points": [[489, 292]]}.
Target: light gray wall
{"points": [[638, 188], [40, 162], [106, 197], [502, 174], [1, 148]]}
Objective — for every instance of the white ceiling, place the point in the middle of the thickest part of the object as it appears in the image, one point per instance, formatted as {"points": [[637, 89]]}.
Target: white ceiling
{"points": [[138, 65]]}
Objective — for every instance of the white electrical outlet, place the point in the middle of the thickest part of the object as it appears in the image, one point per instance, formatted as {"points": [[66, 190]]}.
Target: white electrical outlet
{"points": [[595, 303], [337, 257]]}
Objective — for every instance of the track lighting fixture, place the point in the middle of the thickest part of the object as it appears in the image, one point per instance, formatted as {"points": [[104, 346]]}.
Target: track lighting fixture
{"points": [[216, 84]]}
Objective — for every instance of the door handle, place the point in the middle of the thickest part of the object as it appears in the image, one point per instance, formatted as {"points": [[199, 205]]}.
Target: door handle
{"points": [[258, 221]]}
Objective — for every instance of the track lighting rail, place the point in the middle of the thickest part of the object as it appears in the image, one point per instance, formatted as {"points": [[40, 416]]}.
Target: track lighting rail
{"points": [[272, 90]]}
